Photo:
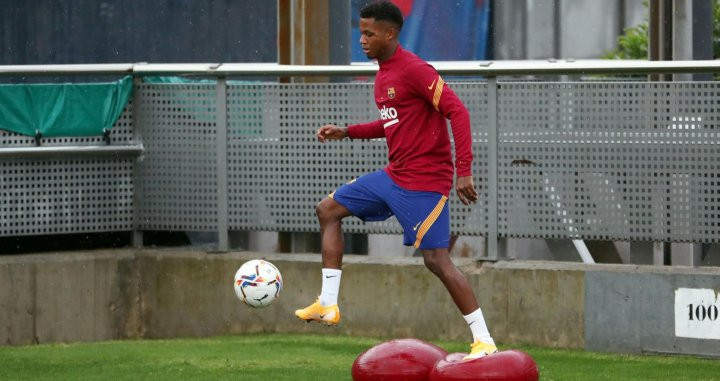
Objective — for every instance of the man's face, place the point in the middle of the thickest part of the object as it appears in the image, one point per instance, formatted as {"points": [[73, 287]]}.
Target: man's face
{"points": [[375, 37]]}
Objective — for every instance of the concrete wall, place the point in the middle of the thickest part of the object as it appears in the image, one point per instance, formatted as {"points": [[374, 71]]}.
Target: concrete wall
{"points": [[641, 317], [59, 298], [168, 293]]}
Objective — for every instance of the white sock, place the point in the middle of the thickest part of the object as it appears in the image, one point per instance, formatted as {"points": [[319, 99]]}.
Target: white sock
{"points": [[479, 329], [330, 287]]}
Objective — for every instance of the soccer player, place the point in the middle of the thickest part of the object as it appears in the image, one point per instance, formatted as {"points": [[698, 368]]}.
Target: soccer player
{"points": [[414, 103]]}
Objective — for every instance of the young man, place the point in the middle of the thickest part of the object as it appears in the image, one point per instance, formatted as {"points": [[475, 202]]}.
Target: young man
{"points": [[414, 103]]}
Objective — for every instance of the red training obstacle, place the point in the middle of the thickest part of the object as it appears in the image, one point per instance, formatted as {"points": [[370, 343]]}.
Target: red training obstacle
{"points": [[397, 360], [455, 357], [502, 366]]}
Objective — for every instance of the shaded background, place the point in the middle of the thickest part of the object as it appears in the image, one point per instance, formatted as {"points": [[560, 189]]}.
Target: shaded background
{"points": [[437, 30], [113, 31]]}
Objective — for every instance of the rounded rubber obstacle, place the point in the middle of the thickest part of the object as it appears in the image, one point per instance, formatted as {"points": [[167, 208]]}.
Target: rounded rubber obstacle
{"points": [[395, 360], [502, 366]]}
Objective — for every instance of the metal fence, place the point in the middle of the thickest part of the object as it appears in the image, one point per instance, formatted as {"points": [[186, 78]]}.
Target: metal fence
{"points": [[604, 160], [69, 185]]}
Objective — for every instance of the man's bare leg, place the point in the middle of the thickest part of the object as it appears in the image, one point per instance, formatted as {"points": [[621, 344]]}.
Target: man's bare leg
{"points": [[325, 310], [330, 214], [439, 262]]}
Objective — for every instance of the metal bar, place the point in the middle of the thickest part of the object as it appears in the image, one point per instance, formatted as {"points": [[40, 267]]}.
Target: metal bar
{"points": [[666, 31], [66, 69], [658, 253], [43, 152], [137, 100], [654, 35], [492, 180], [583, 251], [557, 28], [483, 68], [339, 35], [284, 31], [316, 31], [222, 164], [702, 32], [297, 31]]}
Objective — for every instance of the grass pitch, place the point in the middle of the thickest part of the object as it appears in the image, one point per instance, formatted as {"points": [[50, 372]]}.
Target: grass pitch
{"points": [[298, 357]]}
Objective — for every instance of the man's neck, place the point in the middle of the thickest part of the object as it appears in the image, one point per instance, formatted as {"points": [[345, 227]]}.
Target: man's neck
{"points": [[390, 53]]}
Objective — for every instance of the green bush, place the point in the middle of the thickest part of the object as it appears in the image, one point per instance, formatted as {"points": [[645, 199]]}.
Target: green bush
{"points": [[633, 45]]}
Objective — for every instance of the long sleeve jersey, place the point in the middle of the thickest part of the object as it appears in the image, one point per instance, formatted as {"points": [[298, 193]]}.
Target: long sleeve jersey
{"points": [[414, 104]]}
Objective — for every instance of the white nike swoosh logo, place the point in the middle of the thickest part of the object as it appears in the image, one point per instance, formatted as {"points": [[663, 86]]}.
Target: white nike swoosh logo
{"points": [[416, 226], [432, 84]]}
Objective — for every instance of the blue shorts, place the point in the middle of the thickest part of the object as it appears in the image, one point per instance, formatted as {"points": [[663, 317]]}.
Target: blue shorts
{"points": [[424, 216]]}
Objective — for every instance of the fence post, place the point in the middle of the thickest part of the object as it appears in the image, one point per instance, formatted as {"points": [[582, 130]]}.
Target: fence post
{"points": [[137, 235], [492, 180], [222, 164]]}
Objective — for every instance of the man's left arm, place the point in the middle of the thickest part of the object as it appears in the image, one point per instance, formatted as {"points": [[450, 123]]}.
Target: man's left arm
{"points": [[434, 89]]}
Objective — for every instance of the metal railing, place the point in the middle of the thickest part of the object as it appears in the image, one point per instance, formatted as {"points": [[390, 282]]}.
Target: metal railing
{"points": [[481, 68], [220, 119], [131, 150]]}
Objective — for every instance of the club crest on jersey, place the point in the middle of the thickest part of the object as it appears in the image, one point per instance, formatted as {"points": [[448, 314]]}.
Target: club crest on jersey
{"points": [[391, 92]]}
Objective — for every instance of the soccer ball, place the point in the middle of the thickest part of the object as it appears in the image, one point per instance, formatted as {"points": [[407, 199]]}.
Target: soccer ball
{"points": [[258, 283]]}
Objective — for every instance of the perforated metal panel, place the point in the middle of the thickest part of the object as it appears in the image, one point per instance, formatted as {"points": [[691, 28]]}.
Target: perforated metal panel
{"points": [[69, 194], [617, 161], [278, 171], [473, 219], [177, 176], [601, 160]]}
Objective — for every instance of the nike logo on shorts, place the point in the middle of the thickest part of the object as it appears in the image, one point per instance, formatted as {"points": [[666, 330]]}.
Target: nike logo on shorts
{"points": [[416, 226]]}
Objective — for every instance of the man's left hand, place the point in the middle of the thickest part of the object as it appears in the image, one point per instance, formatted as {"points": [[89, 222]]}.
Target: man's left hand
{"points": [[466, 190]]}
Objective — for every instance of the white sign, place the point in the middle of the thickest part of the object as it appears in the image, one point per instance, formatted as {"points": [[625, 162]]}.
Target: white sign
{"points": [[696, 313]]}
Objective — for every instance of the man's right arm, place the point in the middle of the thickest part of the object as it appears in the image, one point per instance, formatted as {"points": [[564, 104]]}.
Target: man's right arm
{"points": [[372, 130]]}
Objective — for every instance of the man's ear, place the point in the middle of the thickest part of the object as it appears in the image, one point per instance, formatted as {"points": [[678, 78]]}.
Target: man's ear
{"points": [[392, 32]]}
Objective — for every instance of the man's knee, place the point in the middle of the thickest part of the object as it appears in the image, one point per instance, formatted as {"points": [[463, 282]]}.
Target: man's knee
{"points": [[435, 260], [329, 210], [322, 210], [431, 261]]}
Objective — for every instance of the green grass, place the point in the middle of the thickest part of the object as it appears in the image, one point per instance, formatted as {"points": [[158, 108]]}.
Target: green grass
{"points": [[298, 357]]}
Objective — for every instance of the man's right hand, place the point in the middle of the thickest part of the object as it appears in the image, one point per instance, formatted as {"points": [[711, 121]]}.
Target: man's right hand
{"points": [[331, 132]]}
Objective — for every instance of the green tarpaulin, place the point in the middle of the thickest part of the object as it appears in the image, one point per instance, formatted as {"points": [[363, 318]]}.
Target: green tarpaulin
{"points": [[63, 109]]}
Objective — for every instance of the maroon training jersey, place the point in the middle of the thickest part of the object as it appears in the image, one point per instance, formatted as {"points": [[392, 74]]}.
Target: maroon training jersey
{"points": [[414, 104]]}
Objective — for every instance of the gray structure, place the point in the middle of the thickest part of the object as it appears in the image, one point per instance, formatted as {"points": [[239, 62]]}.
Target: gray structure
{"points": [[630, 161]]}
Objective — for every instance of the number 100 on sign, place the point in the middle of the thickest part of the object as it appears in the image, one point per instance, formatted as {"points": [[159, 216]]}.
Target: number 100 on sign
{"points": [[696, 313]]}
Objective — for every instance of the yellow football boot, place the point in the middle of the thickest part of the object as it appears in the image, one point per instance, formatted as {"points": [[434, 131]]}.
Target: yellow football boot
{"points": [[479, 349], [329, 315]]}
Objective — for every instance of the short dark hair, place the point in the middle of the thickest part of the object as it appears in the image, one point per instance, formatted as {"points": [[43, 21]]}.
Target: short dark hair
{"points": [[383, 10]]}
